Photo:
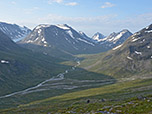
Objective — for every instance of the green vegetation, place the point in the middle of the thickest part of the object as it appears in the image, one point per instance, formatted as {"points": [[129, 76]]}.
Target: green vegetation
{"points": [[106, 82], [111, 98], [25, 66]]}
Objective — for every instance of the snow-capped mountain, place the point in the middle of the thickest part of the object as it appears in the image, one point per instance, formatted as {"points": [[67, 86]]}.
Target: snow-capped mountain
{"points": [[59, 36], [97, 37], [15, 32], [115, 39]]}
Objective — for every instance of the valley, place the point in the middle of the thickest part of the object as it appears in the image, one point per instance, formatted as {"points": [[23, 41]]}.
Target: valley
{"points": [[56, 69]]}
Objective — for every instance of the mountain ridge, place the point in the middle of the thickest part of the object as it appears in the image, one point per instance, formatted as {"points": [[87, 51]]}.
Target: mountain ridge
{"points": [[14, 31]]}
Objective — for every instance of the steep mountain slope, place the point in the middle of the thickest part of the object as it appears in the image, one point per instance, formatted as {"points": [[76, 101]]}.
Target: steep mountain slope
{"points": [[84, 35], [97, 37], [14, 31], [61, 37], [21, 68], [6, 44], [131, 59]]}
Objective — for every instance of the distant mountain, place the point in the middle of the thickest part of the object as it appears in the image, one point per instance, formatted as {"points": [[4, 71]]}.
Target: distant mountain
{"points": [[98, 36], [115, 39], [62, 40], [133, 58], [15, 32], [61, 37]]}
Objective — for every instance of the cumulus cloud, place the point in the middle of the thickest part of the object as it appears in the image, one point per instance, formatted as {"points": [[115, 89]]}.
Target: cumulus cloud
{"points": [[71, 4], [62, 2], [107, 5], [56, 1]]}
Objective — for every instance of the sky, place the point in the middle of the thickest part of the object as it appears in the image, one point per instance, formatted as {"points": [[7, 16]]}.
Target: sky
{"points": [[89, 16]]}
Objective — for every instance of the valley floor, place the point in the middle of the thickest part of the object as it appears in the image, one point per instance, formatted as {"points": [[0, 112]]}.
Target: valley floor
{"points": [[87, 92], [133, 97]]}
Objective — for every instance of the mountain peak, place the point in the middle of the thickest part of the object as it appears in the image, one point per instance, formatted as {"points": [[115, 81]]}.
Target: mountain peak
{"points": [[98, 36], [42, 26], [63, 26], [117, 38], [124, 31]]}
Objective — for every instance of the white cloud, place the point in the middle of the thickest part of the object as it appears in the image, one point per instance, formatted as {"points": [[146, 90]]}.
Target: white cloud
{"points": [[62, 2], [56, 1], [71, 4], [107, 5]]}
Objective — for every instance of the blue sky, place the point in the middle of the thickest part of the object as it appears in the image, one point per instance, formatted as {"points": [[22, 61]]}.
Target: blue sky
{"points": [[89, 16]]}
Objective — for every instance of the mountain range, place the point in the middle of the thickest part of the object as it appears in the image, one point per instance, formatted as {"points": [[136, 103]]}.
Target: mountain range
{"points": [[72, 42], [55, 65], [15, 32], [69, 41]]}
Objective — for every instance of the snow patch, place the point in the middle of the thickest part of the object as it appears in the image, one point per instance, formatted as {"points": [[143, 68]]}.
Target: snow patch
{"points": [[96, 37], [147, 27], [36, 39], [117, 47], [42, 26], [148, 31], [148, 47], [135, 39], [70, 33], [29, 41], [119, 36], [43, 40], [64, 27], [39, 31], [86, 41], [129, 58], [138, 53], [4, 62]]}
